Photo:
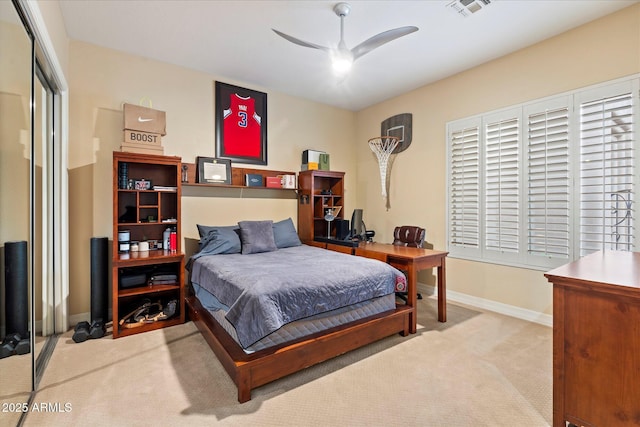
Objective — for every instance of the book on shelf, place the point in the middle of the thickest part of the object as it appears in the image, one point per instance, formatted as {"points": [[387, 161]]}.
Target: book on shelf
{"points": [[164, 188], [253, 180]]}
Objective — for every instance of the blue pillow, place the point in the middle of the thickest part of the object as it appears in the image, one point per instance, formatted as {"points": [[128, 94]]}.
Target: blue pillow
{"points": [[219, 239], [257, 236], [285, 235]]}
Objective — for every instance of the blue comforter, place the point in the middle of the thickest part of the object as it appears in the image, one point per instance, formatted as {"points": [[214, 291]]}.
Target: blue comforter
{"points": [[267, 290]]}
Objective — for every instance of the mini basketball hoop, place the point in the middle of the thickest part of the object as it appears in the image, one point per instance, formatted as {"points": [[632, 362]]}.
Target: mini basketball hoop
{"points": [[383, 147]]}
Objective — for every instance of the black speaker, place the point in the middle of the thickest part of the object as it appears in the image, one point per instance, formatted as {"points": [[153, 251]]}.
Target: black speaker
{"points": [[342, 228], [99, 278], [16, 292]]}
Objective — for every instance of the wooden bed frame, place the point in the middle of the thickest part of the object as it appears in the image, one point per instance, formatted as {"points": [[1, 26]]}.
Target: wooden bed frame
{"points": [[250, 371]]}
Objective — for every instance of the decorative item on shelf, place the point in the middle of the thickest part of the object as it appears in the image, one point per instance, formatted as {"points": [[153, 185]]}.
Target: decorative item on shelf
{"points": [[185, 173], [213, 171], [143, 129], [173, 240], [288, 181], [274, 182], [123, 176], [311, 160], [253, 180], [166, 238], [142, 184], [124, 243], [144, 119], [323, 163], [382, 147]]}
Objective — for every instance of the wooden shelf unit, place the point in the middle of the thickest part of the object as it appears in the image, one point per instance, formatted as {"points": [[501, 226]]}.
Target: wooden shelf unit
{"points": [[145, 214], [318, 191], [237, 178]]}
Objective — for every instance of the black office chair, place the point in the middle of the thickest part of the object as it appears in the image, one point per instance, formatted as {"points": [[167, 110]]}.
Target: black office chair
{"points": [[408, 235]]}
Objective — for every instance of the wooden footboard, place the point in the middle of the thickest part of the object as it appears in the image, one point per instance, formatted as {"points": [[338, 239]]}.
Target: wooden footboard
{"points": [[249, 371]]}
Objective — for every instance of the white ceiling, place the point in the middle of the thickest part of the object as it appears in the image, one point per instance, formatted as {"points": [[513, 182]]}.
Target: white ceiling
{"points": [[233, 40]]}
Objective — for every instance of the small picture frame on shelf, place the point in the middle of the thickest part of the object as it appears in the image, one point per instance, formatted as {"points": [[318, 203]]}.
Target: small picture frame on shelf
{"points": [[210, 170], [142, 184]]}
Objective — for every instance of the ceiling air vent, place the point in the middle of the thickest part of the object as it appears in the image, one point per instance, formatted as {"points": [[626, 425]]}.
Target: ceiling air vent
{"points": [[468, 7]]}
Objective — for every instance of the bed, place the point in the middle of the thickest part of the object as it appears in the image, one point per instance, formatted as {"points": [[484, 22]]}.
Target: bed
{"points": [[269, 306]]}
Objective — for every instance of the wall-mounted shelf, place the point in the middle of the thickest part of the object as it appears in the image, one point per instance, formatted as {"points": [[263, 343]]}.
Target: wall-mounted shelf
{"points": [[237, 187]]}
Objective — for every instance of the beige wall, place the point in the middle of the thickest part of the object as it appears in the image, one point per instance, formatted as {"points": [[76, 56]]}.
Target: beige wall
{"points": [[605, 49], [100, 80]]}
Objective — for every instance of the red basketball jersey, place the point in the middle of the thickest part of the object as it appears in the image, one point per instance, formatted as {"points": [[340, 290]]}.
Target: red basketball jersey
{"points": [[242, 128]]}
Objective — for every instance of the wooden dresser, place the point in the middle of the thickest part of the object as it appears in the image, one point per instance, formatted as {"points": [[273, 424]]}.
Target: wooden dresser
{"points": [[596, 340]]}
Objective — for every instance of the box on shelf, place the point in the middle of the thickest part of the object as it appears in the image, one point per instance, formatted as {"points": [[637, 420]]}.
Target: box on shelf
{"points": [[311, 159], [311, 166], [288, 181], [137, 117], [323, 162], [139, 137], [253, 180], [274, 182], [130, 147]]}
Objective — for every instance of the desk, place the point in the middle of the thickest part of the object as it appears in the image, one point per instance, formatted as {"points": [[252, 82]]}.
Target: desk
{"points": [[412, 260], [596, 313]]}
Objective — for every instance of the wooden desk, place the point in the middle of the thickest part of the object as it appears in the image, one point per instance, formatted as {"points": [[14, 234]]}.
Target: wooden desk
{"points": [[596, 340], [412, 260]]}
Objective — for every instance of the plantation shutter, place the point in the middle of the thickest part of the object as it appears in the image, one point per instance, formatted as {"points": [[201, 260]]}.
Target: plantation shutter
{"points": [[464, 187], [548, 210], [607, 193], [502, 181]]}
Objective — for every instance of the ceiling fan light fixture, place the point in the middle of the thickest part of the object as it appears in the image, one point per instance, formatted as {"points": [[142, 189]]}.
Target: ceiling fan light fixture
{"points": [[342, 57], [341, 62]]}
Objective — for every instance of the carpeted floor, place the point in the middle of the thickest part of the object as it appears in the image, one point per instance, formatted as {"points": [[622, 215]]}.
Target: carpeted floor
{"points": [[478, 369]]}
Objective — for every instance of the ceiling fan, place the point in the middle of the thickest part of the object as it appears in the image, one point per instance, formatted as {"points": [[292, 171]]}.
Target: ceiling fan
{"points": [[342, 57]]}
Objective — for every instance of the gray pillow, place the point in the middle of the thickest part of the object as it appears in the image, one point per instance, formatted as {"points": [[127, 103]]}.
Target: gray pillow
{"points": [[257, 236], [222, 239], [285, 235]]}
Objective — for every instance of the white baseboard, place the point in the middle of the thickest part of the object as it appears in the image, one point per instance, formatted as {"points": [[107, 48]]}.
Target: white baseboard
{"points": [[486, 304]]}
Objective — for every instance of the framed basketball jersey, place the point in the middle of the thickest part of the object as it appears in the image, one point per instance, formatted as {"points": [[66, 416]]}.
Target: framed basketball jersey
{"points": [[241, 125]]}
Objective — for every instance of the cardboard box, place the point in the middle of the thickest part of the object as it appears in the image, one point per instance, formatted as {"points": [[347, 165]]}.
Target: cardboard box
{"points": [[137, 117], [311, 166], [274, 182], [141, 148], [144, 138]]}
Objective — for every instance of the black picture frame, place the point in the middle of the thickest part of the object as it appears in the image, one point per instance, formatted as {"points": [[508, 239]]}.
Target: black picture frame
{"points": [[210, 170], [243, 137]]}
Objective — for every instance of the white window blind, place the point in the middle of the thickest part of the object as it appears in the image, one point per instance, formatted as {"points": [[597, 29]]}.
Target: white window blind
{"points": [[502, 181], [464, 187], [548, 183], [607, 174], [543, 183]]}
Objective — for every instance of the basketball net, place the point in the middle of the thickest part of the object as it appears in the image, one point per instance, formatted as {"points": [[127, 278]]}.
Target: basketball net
{"points": [[383, 147]]}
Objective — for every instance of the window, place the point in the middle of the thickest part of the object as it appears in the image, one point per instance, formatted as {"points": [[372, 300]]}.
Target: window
{"points": [[543, 183]]}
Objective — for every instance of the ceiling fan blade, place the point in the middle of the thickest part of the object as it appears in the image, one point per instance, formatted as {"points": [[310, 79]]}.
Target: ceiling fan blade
{"points": [[380, 39], [300, 42]]}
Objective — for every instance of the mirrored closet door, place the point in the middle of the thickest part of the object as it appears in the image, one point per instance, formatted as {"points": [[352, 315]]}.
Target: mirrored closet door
{"points": [[16, 61], [30, 202]]}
